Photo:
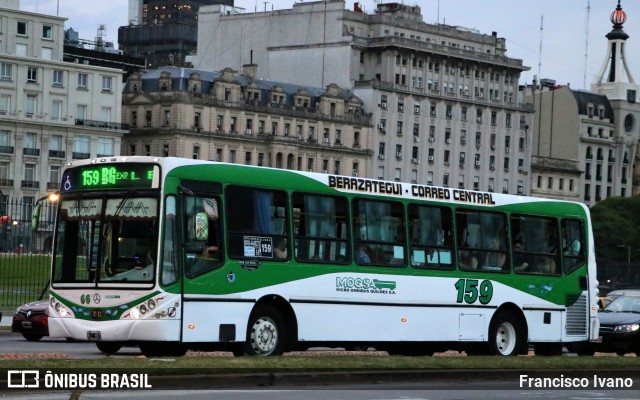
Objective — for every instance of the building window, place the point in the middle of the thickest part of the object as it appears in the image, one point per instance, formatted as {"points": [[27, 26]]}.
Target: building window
{"points": [[5, 71], [54, 174], [196, 152], [56, 109], [32, 105], [21, 28], [47, 32], [32, 74], [83, 81], [5, 103], [21, 50], [58, 77], [81, 111], [106, 83], [105, 147]]}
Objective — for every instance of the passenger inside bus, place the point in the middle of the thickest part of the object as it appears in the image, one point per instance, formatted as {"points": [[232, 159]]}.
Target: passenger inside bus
{"points": [[280, 250], [519, 260], [466, 260], [362, 255]]}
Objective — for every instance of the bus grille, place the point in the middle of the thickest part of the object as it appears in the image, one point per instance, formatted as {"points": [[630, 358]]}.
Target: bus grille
{"points": [[577, 315]]}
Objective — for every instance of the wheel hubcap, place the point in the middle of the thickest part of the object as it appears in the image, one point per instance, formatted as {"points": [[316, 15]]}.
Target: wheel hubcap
{"points": [[506, 338], [264, 336]]}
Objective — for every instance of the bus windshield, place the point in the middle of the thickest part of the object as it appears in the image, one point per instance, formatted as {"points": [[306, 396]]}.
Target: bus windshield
{"points": [[106, 239]]}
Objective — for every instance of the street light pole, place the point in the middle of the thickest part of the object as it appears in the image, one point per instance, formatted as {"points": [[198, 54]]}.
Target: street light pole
{"points": [[628, 259]]}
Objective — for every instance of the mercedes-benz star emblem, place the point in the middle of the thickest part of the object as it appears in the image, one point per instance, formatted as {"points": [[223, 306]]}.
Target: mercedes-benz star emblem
{"points": [[96, 298]]}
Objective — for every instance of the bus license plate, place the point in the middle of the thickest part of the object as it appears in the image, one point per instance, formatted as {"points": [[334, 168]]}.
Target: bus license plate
{"points": [[94, 336]]}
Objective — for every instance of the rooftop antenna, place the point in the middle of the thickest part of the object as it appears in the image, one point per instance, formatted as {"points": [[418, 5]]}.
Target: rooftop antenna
{"points": [[540, 50], [586, 45]]}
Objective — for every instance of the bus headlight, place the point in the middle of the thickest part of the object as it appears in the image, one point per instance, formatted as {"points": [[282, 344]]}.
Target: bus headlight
{"points": [[135, 314], [151, 304], [143, 309]]}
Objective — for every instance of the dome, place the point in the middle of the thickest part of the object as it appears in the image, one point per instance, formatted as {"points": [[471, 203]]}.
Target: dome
{"points": [[618, 17]]}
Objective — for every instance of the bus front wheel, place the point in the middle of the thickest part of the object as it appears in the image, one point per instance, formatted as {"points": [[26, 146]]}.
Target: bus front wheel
{"points": [[265, 334], [505, 335], [109, 347]]}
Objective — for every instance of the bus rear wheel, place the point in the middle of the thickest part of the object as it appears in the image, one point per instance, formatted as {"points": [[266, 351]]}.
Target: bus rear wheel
{"points": [[266, 335], [505, 335]]}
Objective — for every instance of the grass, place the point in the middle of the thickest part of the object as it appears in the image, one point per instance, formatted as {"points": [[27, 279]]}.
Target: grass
{"points": [[22, 278], [330, 363]]}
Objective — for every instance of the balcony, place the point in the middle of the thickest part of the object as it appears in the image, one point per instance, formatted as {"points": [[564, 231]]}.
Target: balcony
{"points": [[102, 124], [6, 149], [53, 185], [30, 184], [57, 154], [27, 151], [80, 156], [6, 182]]}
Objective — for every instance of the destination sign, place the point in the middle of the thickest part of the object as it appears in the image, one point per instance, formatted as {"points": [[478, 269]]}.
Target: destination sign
{"points": [[111, 176], [372, 186]]}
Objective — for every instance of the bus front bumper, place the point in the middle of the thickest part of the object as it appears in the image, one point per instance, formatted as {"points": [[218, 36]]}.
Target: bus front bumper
{"points": [[115, 331]]}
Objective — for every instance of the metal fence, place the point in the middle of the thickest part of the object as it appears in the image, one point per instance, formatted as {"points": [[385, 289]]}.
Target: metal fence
{"points": [[25, 253]]}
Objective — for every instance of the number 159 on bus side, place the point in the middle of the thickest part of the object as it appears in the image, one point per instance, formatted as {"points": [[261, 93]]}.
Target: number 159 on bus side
{"points": [[469, 291]]}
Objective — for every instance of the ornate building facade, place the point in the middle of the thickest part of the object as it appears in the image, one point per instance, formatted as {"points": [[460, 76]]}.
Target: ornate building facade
{"points": [[444, 99], [237, 118]]}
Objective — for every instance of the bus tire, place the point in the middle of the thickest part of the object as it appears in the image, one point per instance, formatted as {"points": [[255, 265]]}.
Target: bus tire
{"points": [[505, 335], [109, 347], [266, 335]]}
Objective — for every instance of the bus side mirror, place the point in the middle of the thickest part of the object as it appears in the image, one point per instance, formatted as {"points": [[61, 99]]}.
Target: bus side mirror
{"points": [[201, 228], [35, 217]]}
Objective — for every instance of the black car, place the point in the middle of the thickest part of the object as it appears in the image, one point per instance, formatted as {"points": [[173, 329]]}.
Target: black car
{"points": [[620, 326]]}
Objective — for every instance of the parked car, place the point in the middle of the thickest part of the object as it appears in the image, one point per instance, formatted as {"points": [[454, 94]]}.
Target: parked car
{"points": [[32, 320], [623, 292], [620, 326], [603, 302]]}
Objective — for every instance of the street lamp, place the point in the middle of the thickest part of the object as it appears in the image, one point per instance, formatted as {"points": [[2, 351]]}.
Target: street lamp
{"points": [[628, 259]]}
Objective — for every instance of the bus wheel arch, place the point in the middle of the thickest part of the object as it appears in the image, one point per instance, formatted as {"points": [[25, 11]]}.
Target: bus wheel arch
{"points": [[272, 327], [508, 331]]}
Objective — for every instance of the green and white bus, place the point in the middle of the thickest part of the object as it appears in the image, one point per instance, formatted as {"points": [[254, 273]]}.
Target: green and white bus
{"points": [[174, 254]]}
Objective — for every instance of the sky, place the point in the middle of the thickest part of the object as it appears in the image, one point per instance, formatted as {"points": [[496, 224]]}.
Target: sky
{"points": [[562, 50]]}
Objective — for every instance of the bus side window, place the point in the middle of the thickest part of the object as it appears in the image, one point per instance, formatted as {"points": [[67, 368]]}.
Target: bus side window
{"points": [[320, 228], [572, 244], [482, 240], [379, 225], [535, 245], [203, 246], [257, 223], [430, 237]]}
